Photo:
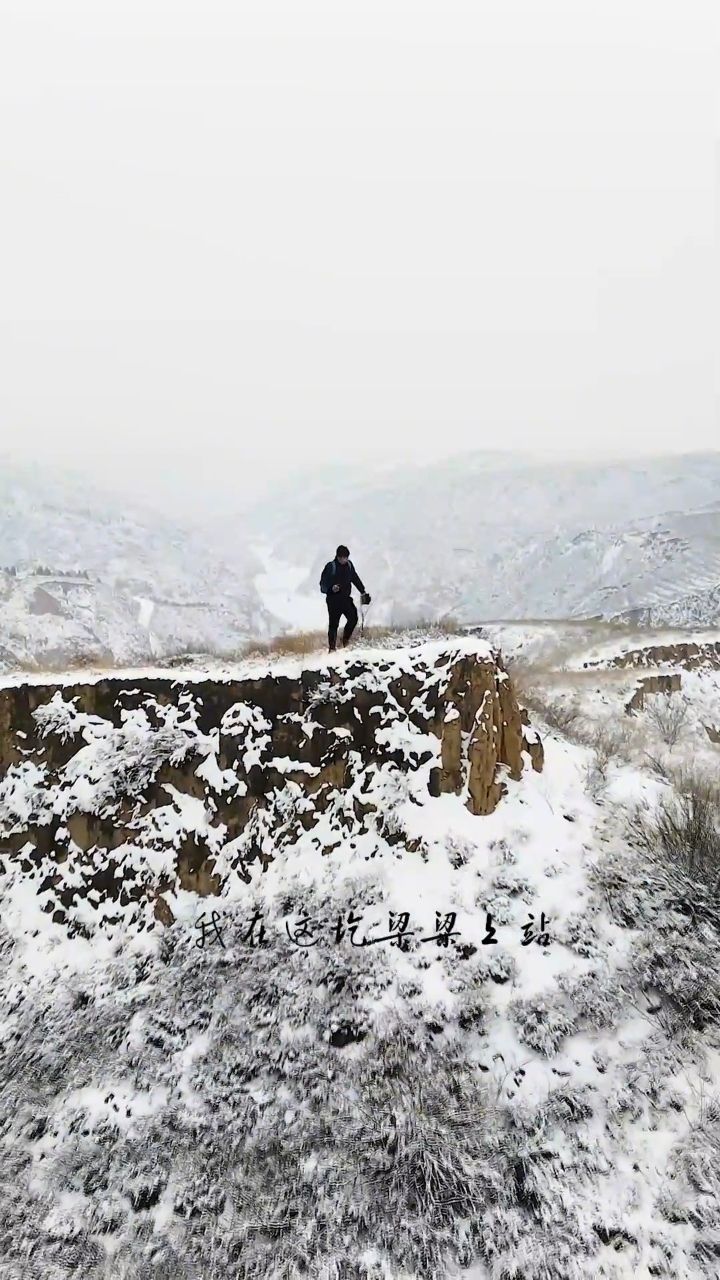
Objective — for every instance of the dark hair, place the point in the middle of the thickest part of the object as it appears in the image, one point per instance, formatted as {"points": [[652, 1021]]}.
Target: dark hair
{"points": [[342, 551]]}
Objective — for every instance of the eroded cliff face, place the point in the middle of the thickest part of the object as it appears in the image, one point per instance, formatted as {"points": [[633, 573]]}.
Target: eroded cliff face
{"points": [[687, 654], [117, 794], [665, 684]]}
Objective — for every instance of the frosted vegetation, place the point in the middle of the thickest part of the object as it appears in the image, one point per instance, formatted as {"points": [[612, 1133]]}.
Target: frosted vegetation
{"points": [[549, 1112]]}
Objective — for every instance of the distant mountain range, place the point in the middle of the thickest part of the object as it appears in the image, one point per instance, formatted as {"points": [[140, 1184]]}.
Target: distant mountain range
{"points": [[85, 576], [490, 536], [88, 577]]}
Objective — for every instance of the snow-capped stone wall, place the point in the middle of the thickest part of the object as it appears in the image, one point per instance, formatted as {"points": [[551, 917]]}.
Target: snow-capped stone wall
{"points": [[118, 793]]}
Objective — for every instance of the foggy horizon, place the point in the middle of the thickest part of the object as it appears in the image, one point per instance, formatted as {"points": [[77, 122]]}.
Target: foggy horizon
{"points": [[241, 241], [189, 493]]}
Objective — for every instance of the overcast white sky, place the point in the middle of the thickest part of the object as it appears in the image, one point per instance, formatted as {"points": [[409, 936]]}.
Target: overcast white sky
{"points": [[262, 232]]}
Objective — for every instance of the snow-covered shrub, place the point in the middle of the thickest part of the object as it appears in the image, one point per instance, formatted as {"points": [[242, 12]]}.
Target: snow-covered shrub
{"points": [[579, 932], [543, 1022], [691, 1194], [459, 850], [679, 962], [495, 903], [513, 884], [634, 887], [122, 765], [24, 796], [597, 996], [649, 888], [207, 1092], [544, 1226]]}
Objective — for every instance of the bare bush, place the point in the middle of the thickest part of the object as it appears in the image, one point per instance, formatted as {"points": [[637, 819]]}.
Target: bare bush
{"points": [[659, 766], [668, 716], [562, 716], [292, 643], [608, 742]]}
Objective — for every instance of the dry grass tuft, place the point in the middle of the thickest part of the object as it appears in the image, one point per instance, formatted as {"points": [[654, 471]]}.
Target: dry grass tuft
{"points": [[684, 830]]}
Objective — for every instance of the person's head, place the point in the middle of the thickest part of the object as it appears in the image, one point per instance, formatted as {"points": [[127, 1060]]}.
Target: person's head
{"points": [[342, 554]]}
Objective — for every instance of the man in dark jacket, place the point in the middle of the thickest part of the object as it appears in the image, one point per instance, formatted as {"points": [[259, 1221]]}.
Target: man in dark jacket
{"points": [[336, 583]]}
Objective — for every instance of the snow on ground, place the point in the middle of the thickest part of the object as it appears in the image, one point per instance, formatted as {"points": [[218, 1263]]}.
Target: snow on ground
{"points": [[256, 667], [602, 1096], [280, 590], [575, 644], [619, 644], [570, 668]]}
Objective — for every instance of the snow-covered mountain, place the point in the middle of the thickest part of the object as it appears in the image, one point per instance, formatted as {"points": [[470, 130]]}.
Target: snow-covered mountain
{"points": [[84, 575], [87, 576], [489, 536]]}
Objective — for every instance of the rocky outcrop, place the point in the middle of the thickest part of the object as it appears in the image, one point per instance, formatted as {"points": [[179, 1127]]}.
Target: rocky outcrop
{"points": [[117, 793], [665, 684], [688, 655]]}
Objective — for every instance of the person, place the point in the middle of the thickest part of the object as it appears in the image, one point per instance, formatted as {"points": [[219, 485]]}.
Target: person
{"points": [[336, 583]]}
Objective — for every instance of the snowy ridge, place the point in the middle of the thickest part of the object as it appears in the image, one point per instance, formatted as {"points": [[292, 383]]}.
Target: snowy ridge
{"points": [[259, 666]]}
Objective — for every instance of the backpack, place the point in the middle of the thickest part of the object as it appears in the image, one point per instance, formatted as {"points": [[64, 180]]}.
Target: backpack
{"points": [[333, 573]]}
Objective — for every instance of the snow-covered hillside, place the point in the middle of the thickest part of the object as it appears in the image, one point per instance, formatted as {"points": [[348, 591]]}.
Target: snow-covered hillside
{"points": [[484, 536], [84, 576], [250, 1085]]}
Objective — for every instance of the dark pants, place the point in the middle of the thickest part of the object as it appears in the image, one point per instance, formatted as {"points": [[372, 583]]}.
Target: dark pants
{"points": [[340, 606]]}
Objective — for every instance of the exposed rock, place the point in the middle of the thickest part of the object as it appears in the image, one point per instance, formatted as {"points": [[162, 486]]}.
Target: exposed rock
{"points": [[162, 911], [666, 684], [136, 788], [689, 655], [452, 776], [43, 602], [484, 786]]}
